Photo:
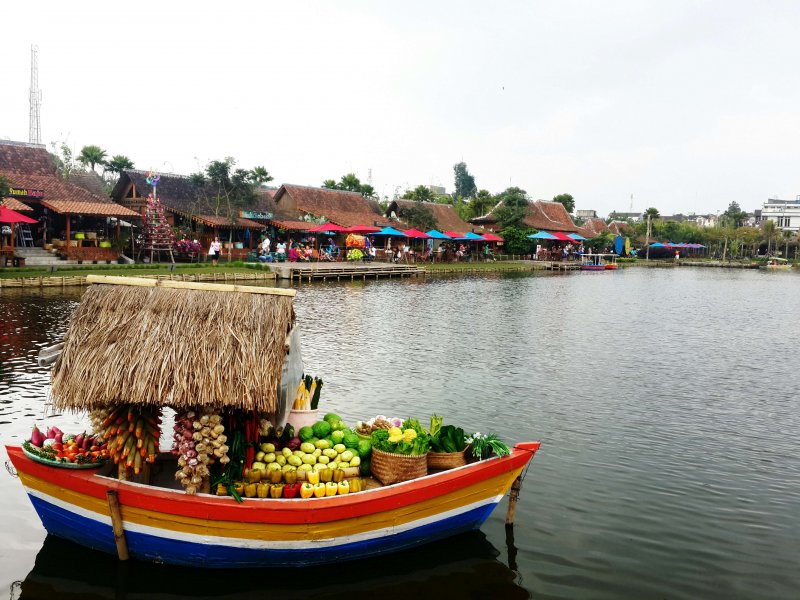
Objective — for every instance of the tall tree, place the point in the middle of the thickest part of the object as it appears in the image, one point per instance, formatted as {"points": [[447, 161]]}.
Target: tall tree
{"points": [[481, 203], [62, 158], [652, 211], [118, 163], [514, 208], [260, 175], [421, 193], [227, 190], [350, 183], [92, 155], [735, 215], [567, 200], [465, 183], [419, 217]]}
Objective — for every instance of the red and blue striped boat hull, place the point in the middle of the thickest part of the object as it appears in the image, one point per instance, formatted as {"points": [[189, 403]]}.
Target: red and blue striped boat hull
{"points": [[163, 525]]}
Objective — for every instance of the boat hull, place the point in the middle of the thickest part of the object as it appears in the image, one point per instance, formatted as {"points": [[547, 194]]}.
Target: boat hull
{"points": [[593, 268], [168, 526]]}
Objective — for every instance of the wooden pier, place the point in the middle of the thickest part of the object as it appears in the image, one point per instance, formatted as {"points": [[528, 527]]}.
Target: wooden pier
{"points": [[344, 271], [78, 280]]}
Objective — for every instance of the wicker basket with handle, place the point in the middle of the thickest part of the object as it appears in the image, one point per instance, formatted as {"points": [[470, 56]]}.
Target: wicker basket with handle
{"points": [[388, 467]]}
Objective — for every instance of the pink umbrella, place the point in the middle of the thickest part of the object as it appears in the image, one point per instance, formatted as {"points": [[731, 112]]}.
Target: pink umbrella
{"points": [[327, 227], [362, 229]]}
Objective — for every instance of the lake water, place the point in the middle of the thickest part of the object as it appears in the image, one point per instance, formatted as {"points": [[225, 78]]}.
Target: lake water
{"points": [[666, 401]]}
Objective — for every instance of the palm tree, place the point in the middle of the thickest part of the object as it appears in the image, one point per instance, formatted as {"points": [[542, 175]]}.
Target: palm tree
{"points": [[118, 163], [260, 175], [92, 155], [653, 212]]}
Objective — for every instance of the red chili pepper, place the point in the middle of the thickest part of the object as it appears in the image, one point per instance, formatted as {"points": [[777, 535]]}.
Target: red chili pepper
{"points": [[291, 490]]}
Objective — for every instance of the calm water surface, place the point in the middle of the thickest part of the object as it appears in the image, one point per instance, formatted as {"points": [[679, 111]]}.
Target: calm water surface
{"points": [[666, 401]]}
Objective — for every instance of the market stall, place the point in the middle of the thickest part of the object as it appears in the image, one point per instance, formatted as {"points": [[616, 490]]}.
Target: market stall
{"points": [[254, 474]]}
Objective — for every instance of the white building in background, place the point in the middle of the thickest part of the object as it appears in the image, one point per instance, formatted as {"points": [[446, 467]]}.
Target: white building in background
{"points": [[785, 213]]}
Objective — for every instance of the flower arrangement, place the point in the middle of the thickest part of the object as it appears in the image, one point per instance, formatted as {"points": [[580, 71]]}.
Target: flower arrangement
{"points": [[354, 254], [187, 246]]}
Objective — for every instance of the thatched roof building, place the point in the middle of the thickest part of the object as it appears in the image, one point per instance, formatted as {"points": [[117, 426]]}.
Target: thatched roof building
{"points": [[543, 215], [179, 195], [446, 217], [144, 341], [338, 206]]}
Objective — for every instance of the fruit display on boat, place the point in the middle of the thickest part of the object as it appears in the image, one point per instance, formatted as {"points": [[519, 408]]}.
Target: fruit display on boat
{"points": [[59, 448], [131, 432]]}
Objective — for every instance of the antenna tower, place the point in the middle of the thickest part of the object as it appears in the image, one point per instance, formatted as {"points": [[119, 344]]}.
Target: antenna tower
{"points": [[35, 135], [369, 176]]}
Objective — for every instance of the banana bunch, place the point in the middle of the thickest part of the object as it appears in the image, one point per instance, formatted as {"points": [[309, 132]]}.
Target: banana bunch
{"points": [[132, 434]]}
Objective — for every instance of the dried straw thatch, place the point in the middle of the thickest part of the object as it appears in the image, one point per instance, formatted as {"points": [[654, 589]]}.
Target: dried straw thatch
{"points": [[144, 341]]}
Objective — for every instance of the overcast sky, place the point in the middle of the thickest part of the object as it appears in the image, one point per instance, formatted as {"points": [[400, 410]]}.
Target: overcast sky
{"points": [[686, 106]]}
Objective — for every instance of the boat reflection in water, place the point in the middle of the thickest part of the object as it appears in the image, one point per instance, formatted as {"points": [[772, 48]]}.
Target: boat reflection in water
{"points": [[464, 566]]}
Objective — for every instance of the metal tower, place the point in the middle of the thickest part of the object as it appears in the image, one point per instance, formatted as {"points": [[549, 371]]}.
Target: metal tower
{"points": [[35, 134]]}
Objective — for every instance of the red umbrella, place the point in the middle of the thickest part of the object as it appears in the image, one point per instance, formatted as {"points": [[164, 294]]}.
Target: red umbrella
{"points": [[416, 233], [327, 227], [562, 236], [10, 216], [454, 234], [490, 237], [362, 229]]}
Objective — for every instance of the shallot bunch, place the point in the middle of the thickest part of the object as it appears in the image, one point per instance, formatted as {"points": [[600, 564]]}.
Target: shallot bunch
{"points": [[199, 442]]}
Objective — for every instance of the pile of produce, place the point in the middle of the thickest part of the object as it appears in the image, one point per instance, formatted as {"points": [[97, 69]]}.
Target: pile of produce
{"points": [[57, 447], [411, 439], [198, 442], [446, 438], [366, 428], [307, 396], [354, 254], [131, 432]]}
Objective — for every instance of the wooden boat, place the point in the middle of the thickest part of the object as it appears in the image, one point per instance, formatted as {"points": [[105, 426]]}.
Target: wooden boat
{"points": [[161, 524], [599, 262], [777, 264], [165, 525]]}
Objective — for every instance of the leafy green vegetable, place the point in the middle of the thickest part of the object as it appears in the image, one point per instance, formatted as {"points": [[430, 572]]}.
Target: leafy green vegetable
{"points": [[449, 439], [436, 425]]}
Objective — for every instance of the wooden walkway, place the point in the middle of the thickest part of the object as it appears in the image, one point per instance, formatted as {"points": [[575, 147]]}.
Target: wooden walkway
{"points": [[347, 271]]}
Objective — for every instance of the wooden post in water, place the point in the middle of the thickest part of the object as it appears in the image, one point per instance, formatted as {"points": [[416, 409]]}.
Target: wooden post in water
{"points": [[116, 523], [513, 496]]}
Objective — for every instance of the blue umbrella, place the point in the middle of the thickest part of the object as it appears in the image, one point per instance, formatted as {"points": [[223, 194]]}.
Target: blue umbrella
{"points": [[474, 237], [542, 235], [657, 245], [437, 235], [389, 231], [576, 236]]}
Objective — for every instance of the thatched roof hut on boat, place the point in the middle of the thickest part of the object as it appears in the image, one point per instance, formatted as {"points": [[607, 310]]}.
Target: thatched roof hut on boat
{"points": [[144, 341]]}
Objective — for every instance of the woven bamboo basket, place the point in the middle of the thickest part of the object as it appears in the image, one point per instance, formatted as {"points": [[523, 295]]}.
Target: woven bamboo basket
{"points": [[446, 460], [388, 467]]}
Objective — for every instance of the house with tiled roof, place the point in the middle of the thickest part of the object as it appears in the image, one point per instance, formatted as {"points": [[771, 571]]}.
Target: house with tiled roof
{"points": [[593, 227], [301, 206], [445, 215], [61, 207], [543, 215]]}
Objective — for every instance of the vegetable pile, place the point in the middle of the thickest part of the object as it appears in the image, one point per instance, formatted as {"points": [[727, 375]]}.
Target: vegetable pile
{"points": [[57, 447]]}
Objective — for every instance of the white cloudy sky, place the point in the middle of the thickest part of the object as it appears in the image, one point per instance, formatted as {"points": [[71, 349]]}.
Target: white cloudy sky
{"points": [[684, 105]]}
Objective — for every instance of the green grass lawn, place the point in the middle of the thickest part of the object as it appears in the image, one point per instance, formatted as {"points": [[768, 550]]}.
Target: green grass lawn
{"points": [[125, 270]]}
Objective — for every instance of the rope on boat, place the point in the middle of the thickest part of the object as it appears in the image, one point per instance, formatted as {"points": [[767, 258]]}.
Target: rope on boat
{"points": [[11, 470]]}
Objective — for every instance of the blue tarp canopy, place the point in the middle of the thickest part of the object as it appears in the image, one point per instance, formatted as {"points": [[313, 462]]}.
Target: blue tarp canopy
{"points": [[542, 235], [473, 237], [657, 245], [389, 231], [576, 236], [437, 235]]}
